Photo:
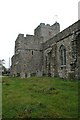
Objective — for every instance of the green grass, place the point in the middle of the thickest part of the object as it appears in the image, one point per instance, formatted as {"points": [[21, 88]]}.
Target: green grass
{"points": [[39, 97]]}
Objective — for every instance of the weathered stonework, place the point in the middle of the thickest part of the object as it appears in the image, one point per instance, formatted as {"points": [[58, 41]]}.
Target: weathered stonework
{"points": [[48, 52]]}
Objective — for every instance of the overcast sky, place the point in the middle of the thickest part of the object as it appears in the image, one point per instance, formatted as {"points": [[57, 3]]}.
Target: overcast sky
{"points": [[23, 16]]}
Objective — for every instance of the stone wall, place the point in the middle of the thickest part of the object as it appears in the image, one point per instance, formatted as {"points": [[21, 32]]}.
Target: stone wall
{"points": [[48, 52], [67, 38], [78, 56]]}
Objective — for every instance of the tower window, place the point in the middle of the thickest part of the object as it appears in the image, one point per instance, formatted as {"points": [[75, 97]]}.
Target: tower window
{"points": [[32, 52]]}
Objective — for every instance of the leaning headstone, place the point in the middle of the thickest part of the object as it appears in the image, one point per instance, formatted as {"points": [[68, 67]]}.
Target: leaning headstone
{"points": [[22, 75], [28, 75]]}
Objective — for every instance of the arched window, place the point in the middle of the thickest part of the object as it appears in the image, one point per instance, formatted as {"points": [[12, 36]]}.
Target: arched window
{"points": [[62, 51]]}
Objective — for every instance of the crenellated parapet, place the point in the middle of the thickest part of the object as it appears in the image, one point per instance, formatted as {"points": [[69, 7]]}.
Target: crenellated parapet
{"points": [[46, 31]]}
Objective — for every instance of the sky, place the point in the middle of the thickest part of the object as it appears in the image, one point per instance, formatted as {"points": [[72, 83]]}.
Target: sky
{"points": [[23, 16]]}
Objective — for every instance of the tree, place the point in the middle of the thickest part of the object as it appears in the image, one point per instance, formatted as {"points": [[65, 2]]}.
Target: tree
{"points": [[2, 62], [2, 67]]}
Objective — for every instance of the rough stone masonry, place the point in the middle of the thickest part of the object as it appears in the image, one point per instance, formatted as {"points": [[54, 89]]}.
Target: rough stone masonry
{"points": [[48, 52]]}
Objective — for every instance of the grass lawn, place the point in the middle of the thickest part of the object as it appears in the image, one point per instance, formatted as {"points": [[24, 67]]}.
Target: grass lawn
{"points": [[39, 97]]}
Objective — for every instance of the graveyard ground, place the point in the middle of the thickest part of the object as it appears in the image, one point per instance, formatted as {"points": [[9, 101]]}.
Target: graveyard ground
{"points": [[39, 97]]}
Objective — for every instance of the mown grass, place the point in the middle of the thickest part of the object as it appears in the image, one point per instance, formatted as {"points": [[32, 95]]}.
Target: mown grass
{"points": [[39, 97]]}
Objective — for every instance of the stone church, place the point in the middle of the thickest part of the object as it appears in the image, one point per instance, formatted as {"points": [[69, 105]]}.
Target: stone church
{"points": [[48, 52]]}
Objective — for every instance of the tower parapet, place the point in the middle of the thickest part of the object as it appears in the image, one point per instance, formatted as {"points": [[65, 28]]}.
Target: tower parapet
{"points": [[47, 31]]}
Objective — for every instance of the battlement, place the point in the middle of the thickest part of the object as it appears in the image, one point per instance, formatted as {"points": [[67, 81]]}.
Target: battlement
{"points": [[47, 31], [56, 24], [20, 35], [48, 25], [28, 36], [42, 24]]}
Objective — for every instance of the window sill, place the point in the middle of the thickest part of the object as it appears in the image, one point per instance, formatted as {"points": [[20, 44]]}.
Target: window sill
{"points": [[63, 66]]}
